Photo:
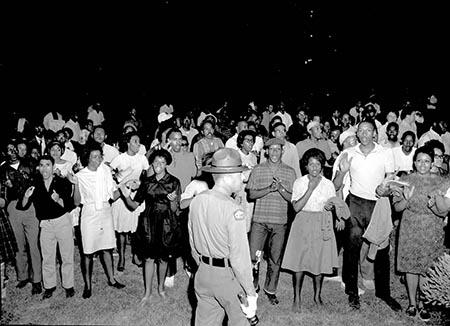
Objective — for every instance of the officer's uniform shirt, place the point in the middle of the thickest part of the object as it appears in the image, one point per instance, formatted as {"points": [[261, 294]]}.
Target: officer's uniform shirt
{"points": [[217, 229]]}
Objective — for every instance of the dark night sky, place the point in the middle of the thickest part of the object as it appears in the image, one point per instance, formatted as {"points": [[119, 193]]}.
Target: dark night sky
{"points": [[204, 52]]}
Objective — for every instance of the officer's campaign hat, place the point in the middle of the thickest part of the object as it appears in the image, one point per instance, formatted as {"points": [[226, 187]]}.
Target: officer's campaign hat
{"points": [[225, 160]]}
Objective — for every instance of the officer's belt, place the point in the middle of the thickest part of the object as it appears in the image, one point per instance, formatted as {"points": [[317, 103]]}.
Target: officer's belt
{"points": [[216, 262]]}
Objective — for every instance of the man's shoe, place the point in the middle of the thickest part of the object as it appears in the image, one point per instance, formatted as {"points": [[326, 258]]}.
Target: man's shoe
{"points": [[116, 285], [360, 291], [353, 301], [392, 303], [87, 293], [36, 288], [272, 298], [48, 293], [22, 284], [70, 292], [411, 311], [424, 314]]}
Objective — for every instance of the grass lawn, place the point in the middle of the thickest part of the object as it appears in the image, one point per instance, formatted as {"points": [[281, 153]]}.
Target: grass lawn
{"points": [[109, 306]]}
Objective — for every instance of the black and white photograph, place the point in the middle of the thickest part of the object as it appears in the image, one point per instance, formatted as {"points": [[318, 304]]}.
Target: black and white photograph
{"points": [[225, 163]]}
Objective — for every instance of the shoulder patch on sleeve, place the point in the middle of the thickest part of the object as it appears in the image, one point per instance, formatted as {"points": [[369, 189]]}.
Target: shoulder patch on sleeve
{"points": [[239, 215]]}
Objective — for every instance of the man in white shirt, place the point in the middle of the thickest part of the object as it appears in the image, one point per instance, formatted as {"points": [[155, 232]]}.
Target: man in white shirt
{"points": [[53, 121], [392, 136], [74, 125], [69, 154], [95, 114], [240, 126], [285, 117], [364, 190], [403, 156], [436, 131]]}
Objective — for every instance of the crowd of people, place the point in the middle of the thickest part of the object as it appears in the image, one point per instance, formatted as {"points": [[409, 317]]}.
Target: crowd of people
{"points": [[293, 190]]}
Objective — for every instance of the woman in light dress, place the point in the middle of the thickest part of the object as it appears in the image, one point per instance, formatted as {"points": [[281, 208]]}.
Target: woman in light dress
{"points": [[128, 166]]}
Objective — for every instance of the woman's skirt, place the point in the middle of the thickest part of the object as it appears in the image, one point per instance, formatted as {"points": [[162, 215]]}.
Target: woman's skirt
{"points": [[311, 246], [97, 229]]}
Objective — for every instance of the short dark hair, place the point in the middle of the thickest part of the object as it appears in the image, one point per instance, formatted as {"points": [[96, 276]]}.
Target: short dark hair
{"points": [[425, 150], [90, 147], [47, 157], [205, 121], [172, 130], [434, 143], [242, 135], [277, 125], [160, 153], [370, 121], [314, 153], [392, 124], [409, 133]]}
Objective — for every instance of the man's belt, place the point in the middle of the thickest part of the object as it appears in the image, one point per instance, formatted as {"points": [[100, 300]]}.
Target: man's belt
{"points": [[216, 262]]}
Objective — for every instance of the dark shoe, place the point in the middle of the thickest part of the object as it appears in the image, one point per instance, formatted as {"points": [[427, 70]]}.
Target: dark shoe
{"points": [[392, 303], [353, 301], [272, 298], [411, 311], [36, 288], [87, 293], [70, 292], [22, 284], [424, 314], [257, 289], [48, 293], [136, 261], [120, 268], [116, 285]]}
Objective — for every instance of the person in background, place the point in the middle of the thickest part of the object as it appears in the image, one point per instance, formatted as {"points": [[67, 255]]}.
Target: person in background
{"points": [[267, 116], [403, 155], [68, 153], [74, 125], [289, 153], [109, 152], [390, 117], [241, 124], [184, 144], [297, 131], [53, 121], [209, 143], [285, 116], [61, 167], [391, 141], [95, 114], [187, 129], [15, 178], [439, 166]]}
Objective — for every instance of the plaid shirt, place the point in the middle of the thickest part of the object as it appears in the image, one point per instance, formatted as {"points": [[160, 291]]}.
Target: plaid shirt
{"points": [[272, 208]]}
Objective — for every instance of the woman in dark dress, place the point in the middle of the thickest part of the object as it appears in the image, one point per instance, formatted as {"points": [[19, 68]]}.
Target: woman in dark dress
{"points": [[158, 230], [421, 233]]}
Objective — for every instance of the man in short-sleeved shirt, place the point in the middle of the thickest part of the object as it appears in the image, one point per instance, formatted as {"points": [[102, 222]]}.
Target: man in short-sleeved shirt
{"points": [[218, 238], [368, 164], [270, 184]]}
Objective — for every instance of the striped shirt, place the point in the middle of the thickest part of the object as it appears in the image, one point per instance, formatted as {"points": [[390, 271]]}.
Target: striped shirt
{"points": [[272, 208]]}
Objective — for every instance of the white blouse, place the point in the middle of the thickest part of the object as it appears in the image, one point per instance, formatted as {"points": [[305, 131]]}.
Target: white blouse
{"points": [[324, 191]]}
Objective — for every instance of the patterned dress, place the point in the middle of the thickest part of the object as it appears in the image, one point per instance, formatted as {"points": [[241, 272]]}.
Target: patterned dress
{"points": [[421, 234], [158, 234]]}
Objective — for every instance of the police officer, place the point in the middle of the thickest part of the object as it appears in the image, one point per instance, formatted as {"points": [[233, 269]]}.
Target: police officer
{"points": [[218, 238]]}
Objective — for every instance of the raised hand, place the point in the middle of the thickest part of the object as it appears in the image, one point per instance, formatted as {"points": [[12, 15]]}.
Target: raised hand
{"points": [[345, 163], [29, 192], [313, 183]]}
